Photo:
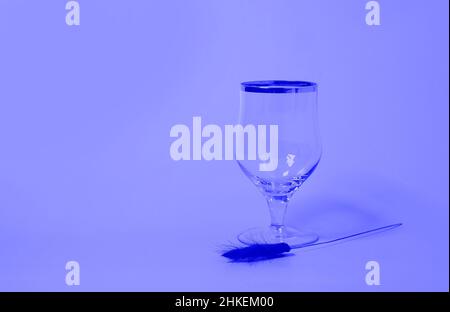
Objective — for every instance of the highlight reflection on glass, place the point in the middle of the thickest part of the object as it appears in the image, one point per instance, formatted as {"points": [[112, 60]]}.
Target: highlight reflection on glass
{"points": [[292, 105]]}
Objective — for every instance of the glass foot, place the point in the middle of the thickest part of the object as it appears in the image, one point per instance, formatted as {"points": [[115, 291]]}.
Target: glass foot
{"points": [[277, 234]]}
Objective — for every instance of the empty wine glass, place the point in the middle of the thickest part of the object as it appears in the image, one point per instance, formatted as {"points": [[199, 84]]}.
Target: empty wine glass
{"points": [[292, 107]]}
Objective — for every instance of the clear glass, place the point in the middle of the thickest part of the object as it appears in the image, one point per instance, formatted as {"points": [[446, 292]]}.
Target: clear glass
{"points": [[292, 106]]}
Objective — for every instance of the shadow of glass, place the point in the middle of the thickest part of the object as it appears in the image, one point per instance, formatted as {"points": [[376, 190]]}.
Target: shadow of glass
{"points": [[356, 203]]}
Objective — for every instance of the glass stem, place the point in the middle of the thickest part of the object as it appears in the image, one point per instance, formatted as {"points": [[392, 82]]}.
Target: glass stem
{"points": [[277, 206]]}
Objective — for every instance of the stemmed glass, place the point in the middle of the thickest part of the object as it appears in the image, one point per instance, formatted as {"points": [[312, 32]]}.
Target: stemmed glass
{"points": [[292, 106]]}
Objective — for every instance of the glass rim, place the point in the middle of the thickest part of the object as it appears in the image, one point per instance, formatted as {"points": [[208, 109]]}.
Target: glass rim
{"points": [[278, 86]]}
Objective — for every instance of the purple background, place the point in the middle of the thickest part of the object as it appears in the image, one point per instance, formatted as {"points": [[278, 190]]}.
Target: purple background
{"points": [[85, 170]]}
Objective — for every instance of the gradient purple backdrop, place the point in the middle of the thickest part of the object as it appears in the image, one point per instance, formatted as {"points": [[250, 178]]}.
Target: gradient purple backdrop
{"points": [[85, 170]]}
